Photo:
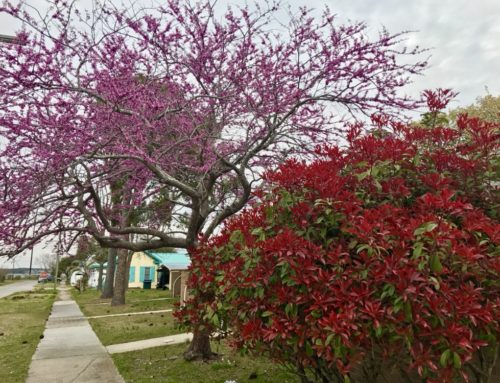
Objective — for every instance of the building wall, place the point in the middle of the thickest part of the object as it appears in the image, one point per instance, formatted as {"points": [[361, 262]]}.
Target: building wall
{"points": [[94, 277], [175, 282], [138, 265], [184, 293]]}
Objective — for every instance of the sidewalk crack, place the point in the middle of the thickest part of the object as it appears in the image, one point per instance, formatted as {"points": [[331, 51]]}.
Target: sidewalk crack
{"points": [[82, 371]]}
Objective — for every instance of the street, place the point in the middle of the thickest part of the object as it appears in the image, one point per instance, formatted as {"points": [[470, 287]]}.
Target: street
{"points": [[16, 286]]}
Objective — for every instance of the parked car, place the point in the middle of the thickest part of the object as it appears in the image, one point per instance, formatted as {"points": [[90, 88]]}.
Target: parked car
{"points": [[45, 277]]}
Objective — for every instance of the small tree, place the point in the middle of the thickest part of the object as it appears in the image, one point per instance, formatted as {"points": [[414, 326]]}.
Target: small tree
{"points": [[3, 274], [371, 263], [487, 108], [89, 251]]}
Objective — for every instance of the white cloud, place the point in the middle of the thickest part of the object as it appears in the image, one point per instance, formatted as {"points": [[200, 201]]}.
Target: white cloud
{"points": [[463, 37]]}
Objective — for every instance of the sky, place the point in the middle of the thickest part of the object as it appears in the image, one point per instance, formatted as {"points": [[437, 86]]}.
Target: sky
{"points": [[463, 38]]}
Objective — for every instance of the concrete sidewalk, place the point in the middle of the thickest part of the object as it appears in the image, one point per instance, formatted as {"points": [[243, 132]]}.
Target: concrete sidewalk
{"points": [[70, 350], [149, 343], [130, 314]]}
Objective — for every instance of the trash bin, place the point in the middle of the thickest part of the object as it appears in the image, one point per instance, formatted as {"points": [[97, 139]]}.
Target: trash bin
{"points": [[147, 284]]}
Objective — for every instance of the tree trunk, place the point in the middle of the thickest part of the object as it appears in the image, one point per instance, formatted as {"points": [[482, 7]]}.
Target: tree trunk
{"points": [[99, 277], [110, 275], [129, 261], [199, 348], [121, 279]]}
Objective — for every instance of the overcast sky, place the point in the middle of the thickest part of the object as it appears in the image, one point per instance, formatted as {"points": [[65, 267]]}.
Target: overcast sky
{"points": [[463, 35]]}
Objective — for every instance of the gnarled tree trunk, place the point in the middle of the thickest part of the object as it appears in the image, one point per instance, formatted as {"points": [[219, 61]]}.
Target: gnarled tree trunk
{"points": [[129, 261], [121, 279], [199, 348]]}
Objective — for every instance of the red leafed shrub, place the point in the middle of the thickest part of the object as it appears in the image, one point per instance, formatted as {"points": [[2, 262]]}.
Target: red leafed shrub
{"points": [[378, 260]]}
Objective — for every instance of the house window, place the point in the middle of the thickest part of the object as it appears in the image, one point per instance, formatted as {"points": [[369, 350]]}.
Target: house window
{"points": [[146, 273], [132, 274]]}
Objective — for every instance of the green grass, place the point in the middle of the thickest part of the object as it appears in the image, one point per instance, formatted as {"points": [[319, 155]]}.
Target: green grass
{"points": [[22, 321], [136, 300], [166, 364], [122, 329]]}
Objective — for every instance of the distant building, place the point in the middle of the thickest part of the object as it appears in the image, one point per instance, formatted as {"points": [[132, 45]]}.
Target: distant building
{"points": [[8, 39], [22, 272], [148, 265]]}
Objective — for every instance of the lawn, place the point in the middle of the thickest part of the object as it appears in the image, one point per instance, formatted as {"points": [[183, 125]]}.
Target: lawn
{"points": [[22, 321], [136, 300], [166, 364], [122, 329]]}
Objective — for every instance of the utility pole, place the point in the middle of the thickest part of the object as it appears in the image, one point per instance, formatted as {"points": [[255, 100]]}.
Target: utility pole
{"points": [[57, 270], [33, 247], [31, 260]]}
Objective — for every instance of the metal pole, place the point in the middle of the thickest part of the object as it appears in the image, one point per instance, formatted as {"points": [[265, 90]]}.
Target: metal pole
{"points": [[31, 260], [33, 247], [57, 270]]}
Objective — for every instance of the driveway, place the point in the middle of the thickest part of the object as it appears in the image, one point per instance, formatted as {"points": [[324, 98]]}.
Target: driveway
{"points": [[15, 287]]}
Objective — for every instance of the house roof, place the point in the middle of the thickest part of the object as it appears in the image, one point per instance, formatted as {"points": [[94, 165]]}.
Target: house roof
{"points": [[175, 261]]}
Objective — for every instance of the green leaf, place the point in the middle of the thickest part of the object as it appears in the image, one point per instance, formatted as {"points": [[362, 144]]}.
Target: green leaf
{"points": [[361, 164], [309, 350], [215, 320], [266, 314], [352, 244], [435, 282], [435, 263], [457, 363], [236, 237], [259, 233], [408, 311], [388, 291], [260, 292], [426, 227], [362, 247], [363, 175], [347, 379], [329, 339], [417, 249], [445, 356]]}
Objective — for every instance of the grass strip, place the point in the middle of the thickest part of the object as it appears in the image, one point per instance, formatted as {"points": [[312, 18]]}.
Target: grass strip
{"points": [[128, 327], [136, 300], [22, 322], [166, 364]]}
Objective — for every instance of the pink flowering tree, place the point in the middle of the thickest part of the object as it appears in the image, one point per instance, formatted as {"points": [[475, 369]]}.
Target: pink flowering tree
{"points": [[147, 128]]}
